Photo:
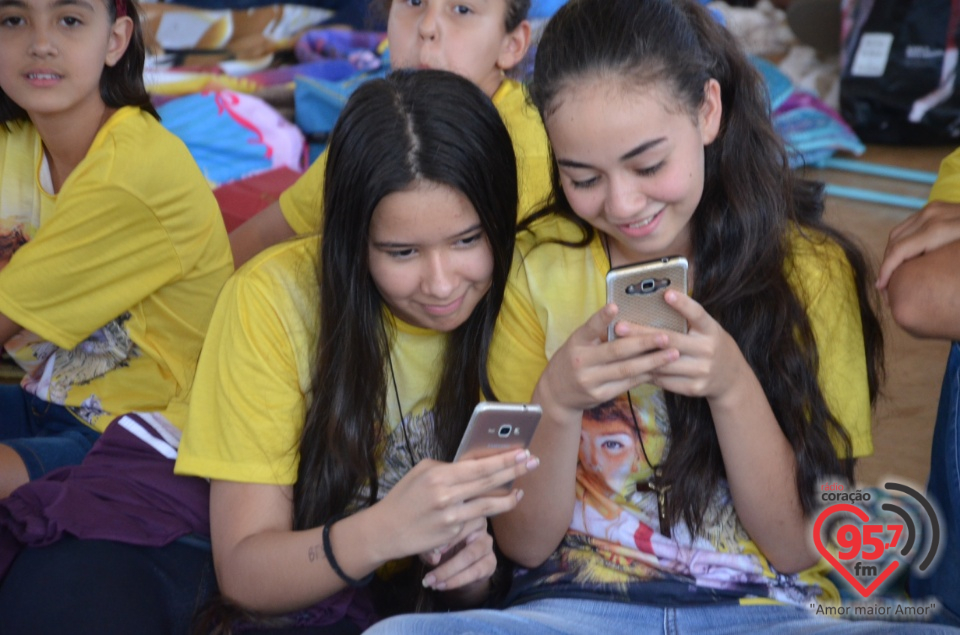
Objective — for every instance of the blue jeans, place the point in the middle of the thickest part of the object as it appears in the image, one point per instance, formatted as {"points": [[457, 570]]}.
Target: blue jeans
{"points": [[943, 486], [45, 435], [592, 617]]}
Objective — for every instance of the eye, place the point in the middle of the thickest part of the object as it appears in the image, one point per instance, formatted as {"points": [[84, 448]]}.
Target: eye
{"points": [[612, 446], [415, 3], [584, 183], [470, 240], [462, 9], [650, 171], [11, 21], [70, 21], [401, 254]]}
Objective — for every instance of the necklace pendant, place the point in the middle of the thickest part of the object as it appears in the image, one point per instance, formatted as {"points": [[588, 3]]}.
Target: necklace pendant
{"points": [[652, 484]]}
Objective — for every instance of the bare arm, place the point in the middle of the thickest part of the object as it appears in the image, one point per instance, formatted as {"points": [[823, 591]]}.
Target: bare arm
{"points": [[920, 272], [8, 328], [266, 229], [585, 372], [758, 459], [264, 565]]}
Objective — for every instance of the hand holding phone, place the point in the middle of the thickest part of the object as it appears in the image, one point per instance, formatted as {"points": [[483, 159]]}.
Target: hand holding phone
{"points": [[638, 290]]}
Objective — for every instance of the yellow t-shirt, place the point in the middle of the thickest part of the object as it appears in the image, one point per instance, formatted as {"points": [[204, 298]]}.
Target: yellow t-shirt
{"points": [[253, 380], [613, 548], [119, 273], [947, 186], [302, 202]]}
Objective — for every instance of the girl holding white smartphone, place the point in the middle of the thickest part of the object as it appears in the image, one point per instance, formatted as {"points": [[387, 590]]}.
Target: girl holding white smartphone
{"points": [[340, 373]]}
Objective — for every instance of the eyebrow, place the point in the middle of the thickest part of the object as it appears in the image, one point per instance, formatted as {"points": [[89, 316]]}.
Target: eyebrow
{"points": [[393, 245], [20, 4], [640, 149]]}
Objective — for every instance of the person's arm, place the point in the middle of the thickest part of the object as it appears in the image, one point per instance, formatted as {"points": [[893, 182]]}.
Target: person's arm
{"points": [[919, 272], [8, 328], [267, 228], [759, 460], [584, 372], [264, 565]]}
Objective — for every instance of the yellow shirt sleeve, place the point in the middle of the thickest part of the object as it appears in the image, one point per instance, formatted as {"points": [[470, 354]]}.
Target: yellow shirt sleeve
{"points": [[822, 276], [947, 186], [250, 393], [302, 202]]}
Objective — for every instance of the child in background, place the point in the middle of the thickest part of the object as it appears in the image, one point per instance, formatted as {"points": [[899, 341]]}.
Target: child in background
{"points": [[659, 127], [479, 42], [330, 395], [114, 247]]}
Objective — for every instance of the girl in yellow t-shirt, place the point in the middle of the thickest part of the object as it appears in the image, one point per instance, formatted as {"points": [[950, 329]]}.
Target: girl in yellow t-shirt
{"points": [[331, 395], [111, 244], [480, 41], [680, 469]]}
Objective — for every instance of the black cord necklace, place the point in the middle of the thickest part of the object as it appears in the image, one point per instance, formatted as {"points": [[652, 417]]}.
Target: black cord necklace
{"points": [[403, 420], [655, 483]]}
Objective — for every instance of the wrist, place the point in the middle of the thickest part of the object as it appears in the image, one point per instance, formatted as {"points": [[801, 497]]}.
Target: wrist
{"points": [[553, 409], [357, 545]]}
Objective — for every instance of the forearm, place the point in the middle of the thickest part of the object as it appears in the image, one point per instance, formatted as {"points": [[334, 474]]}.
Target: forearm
{"points": [[8, 328], [924, 293], [279, 571], [532, 531], [761, 472], [267, 228]]}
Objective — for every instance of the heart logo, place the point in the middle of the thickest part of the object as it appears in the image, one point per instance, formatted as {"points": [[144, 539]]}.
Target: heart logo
{"points": [[818, 541]]}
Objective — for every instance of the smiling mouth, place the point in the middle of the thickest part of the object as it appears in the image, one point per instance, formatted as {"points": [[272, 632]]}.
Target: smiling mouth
{"points": [[644, 222], [43, 76], [443, 309]]}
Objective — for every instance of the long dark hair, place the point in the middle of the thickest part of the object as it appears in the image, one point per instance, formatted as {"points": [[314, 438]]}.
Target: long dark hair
{"points": [[741, 230], [120, 85], [413, 126]]}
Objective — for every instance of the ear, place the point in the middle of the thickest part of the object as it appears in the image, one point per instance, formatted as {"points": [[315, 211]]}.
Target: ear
{"points": [[711, 112], [120, 33], [514, 46]]}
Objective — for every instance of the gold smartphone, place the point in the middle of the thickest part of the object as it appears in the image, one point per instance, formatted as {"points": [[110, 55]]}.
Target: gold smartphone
{"points": [[638, 290]]}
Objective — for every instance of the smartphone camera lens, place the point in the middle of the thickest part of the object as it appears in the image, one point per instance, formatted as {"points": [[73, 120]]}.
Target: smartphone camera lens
{"points": [[504, 430], [648, 285]]}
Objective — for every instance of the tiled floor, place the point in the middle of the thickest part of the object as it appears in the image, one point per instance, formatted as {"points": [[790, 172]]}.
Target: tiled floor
{"points": [[903, 422]]}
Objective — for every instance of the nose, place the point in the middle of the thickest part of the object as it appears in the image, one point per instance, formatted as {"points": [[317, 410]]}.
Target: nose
{"points": [[41, 44], [624, 198], [438, 279], [427, 28]]}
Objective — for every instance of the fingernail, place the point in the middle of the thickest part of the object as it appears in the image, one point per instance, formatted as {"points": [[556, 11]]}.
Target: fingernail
{"points": [[429, 580], [519, 495], [522, 456], [533, 463]]}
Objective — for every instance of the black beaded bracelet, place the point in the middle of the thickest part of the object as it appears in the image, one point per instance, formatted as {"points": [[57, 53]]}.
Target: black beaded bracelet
{"points": [[328, 551]]}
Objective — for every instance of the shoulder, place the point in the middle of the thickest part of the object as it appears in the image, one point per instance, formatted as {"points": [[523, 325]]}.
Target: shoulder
{"points": [[289, 265], [815, 264], [515, 109]]}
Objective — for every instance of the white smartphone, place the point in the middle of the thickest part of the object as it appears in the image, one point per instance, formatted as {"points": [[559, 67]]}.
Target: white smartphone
{"points": [[495, 427], [638, 290]]}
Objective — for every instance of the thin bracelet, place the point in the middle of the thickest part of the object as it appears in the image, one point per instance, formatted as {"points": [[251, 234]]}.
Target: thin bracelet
{"points": [[328, 551]]}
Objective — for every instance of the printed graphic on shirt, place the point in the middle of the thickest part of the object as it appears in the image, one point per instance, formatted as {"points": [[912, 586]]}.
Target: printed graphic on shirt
{"points": [[52, 371], [10, 241], [614, 544], [414, 436]]}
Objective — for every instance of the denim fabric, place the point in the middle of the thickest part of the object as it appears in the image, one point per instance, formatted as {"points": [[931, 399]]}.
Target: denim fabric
{"points": [[45, 435], [592, 617], [943, 487]]}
